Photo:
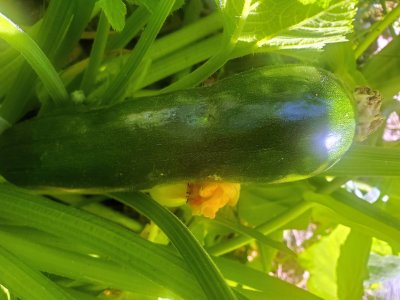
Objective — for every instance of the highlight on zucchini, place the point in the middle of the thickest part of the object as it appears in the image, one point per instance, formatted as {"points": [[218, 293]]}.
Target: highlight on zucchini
{"points": [[271, 124]]}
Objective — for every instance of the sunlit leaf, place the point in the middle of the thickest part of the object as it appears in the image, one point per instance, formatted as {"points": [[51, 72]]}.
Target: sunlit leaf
{"points": [[290, 24], [273, 287], [240, 229], [105, 238], [26, 282], [115, 10], [352, 266], [360, 214], [21, 41], [320, 260], [380, 247], [258, 203]]}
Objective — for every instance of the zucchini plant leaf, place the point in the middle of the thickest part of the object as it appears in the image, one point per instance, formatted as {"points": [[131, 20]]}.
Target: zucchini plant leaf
{"points": [[26, 282], [234, 15], [390, 196], [365, 160], [53, 260], [266, 228], [292, 24], [115, 11], [262, 202], [272, 287], [359, 214], [30, 50], [197, 259], [154, 262], [247, 231], [320, 260], [251, 25], [115, 92], [311, 26], [60, 30], [352, 265]]}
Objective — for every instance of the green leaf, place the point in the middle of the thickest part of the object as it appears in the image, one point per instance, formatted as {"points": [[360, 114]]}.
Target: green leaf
{"points": [[26, 282], [252, 25], [96, 55], [265, 228], [383, 70], [352, 266], [118, 86], [80, 295], [376, 30], [233, 26], [58, 34], [258, 202], [67, 263], [22, 42], [272, 287], [389, 200], [320, 260], [115, 11], [359, 214], [339, 59], [150, 5], [381, 247], [294, 24], [197, 259], [235, 15], [134, 23], [364, 160], [157, 263], [254, 234]]}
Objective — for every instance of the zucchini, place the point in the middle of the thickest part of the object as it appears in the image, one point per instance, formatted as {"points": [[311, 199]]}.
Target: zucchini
{"points": [[273, 124]]}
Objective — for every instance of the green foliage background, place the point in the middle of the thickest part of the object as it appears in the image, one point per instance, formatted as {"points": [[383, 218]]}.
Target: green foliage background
{"points": [[335, 235]]}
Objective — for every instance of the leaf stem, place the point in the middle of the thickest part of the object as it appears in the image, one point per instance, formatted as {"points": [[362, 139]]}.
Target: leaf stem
{"points": [[180, 60], [377, 30], [133, 25], [364, 160], [229, 42], [26, 282], [96, 54], [21, 41], [192, 13], [110, 240], [330, 187], [265, 228], [385, 11], [55, 260], [185, 36], [354, 212], [117, 88], [29, 49], [59, 31]]}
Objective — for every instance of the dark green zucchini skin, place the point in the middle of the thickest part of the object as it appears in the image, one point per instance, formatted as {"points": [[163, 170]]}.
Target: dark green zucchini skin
{"points": [[270, 124]]}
